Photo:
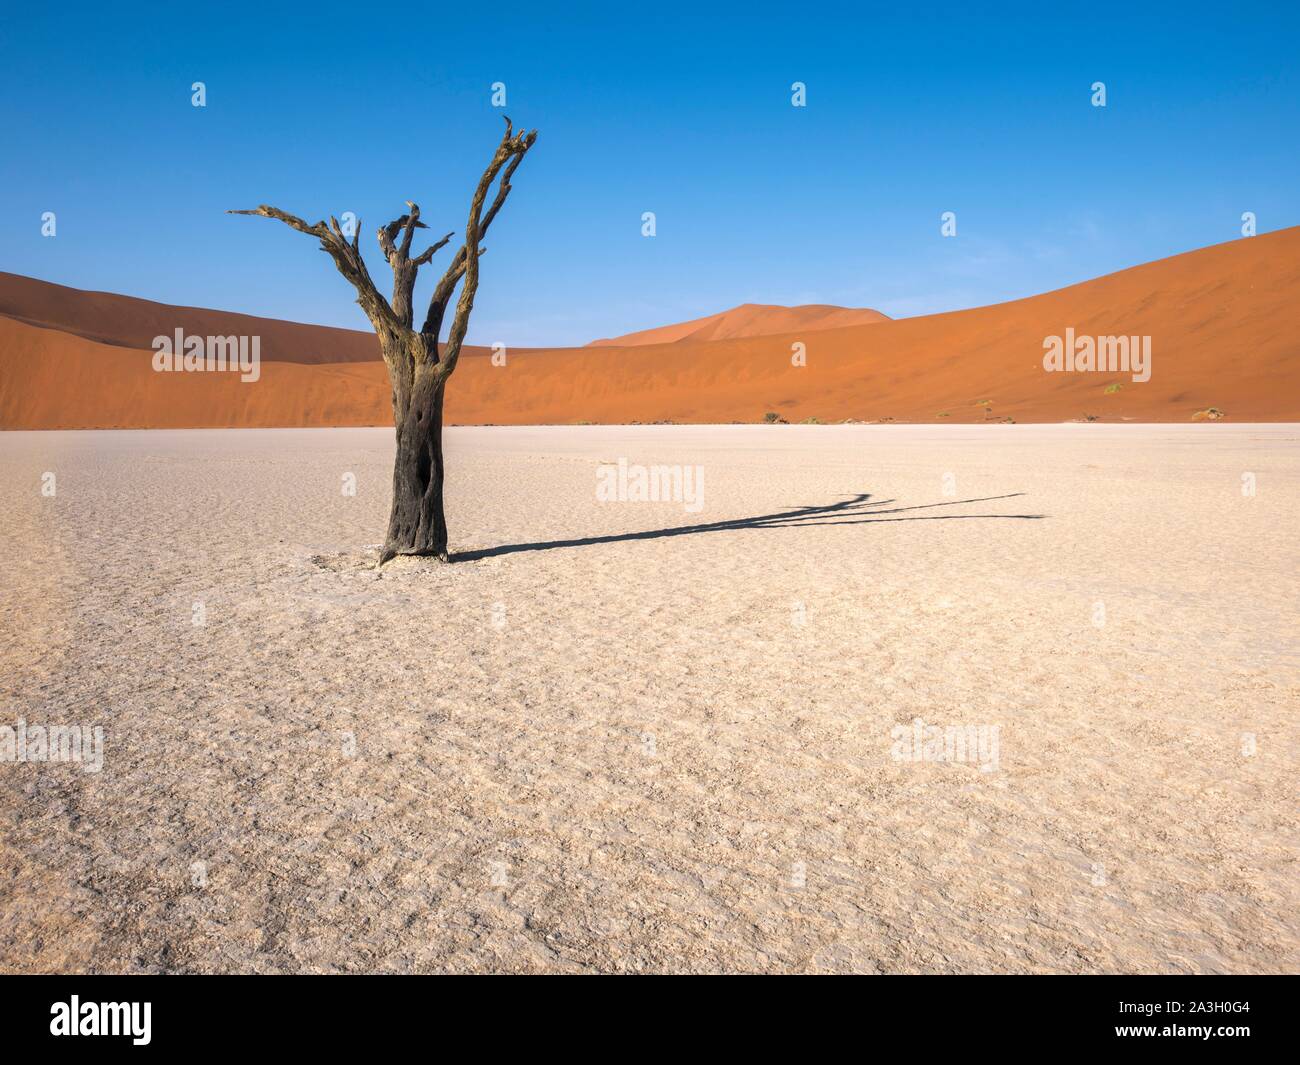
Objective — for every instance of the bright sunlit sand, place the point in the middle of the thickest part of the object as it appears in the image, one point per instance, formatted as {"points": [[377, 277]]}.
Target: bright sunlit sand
{"points": [[655, 736]]}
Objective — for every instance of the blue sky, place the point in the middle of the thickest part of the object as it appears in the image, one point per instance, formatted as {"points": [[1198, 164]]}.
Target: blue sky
{"points": [[683, 110]]}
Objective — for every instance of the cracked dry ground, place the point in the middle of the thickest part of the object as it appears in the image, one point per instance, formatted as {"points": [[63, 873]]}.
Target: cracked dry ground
{"points": [[600, 750]]}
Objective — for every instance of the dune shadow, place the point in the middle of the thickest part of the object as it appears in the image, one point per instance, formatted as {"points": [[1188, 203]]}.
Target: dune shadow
{"points": [[855, 510]]}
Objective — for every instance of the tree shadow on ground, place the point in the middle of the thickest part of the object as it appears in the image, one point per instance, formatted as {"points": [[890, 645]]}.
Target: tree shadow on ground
{"points": [[855, 510]]}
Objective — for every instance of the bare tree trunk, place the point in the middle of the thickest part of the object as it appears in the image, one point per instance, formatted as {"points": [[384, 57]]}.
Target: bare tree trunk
{"points": [[417, 524], [418, 362]]}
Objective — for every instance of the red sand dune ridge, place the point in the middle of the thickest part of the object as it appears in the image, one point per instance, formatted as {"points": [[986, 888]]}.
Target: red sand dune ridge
{"points": [[127, 322], [1222, 320], [749, 320]]}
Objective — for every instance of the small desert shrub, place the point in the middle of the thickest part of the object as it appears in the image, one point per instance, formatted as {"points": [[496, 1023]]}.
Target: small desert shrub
{"points": [[772, 418], [1111, 389], [942, 414], [811, 421], [1209, 414]]}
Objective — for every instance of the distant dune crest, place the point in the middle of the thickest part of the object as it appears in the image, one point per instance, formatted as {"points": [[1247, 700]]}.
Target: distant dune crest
{"points": [[749, 320], [128, 322]]}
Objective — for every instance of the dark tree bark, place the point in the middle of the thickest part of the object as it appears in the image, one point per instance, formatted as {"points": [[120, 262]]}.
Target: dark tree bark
{"points": [[418, 362]]}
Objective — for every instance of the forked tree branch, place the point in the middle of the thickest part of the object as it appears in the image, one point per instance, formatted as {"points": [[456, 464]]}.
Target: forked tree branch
{"points": [[464, 265], [432, 249], [396, 317], [413, 223], [346, 256], [388, 233]]}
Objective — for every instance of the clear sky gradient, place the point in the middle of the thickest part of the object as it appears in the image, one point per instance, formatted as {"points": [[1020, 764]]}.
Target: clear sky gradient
{"points": [[912, 110]]}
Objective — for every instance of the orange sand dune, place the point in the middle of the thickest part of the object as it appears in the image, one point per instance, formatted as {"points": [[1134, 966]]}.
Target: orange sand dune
{"points": [[51, 380], [1223, 322], [749, 320], [133, 323]]}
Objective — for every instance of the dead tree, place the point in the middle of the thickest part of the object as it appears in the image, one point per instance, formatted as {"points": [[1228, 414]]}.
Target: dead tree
{"points": [[418, 363]]}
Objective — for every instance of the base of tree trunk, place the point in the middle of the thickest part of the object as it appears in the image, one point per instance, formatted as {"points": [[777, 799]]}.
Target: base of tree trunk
{"points": [[417, 524], [389, 553]]}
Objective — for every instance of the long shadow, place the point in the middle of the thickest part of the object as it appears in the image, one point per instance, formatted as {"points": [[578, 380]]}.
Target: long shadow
{"points": [[855, 508]]}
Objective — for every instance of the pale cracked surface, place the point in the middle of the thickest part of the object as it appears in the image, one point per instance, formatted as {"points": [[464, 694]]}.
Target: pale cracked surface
{"points": [[664, 752]]}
